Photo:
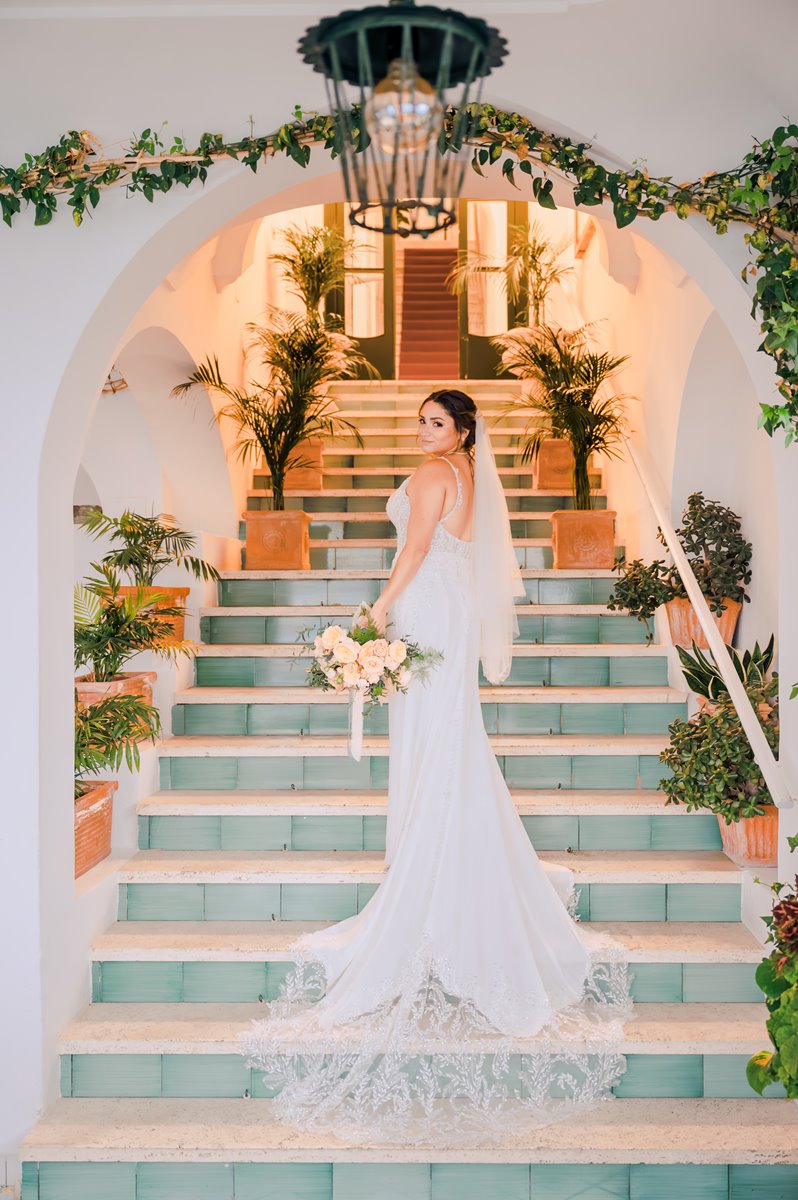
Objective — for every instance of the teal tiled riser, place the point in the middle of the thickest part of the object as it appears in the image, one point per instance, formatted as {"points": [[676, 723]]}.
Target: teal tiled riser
{"points": [[227, 1075], [336, 901], [234, 592], [498, 718], [392, 1181], [643, 670], [380, 558], [560, 630], [697, 831], [580, 771], [172, 982]]}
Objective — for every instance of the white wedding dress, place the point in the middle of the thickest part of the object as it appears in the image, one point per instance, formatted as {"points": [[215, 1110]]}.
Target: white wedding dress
{"points": [[464, 993]]}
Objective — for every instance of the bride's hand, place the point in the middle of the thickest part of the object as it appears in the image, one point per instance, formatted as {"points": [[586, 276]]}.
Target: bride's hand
{"points": [[379, 616]]}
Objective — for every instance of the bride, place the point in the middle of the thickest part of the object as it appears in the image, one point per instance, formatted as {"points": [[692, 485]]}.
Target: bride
{"points": [[464, 991]]}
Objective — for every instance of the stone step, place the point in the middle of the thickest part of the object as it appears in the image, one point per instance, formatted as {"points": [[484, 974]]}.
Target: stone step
{"points": [[642, 885], [146, 961], [333, 745], [377, 554], [522, 498], [182, 1050], [648, 1148], [345, 611], [285, 823], [489, 694]]}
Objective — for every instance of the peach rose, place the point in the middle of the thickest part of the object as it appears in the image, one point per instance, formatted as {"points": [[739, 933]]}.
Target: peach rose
{"points": [[345, 650], [372, 667], [396, 653], [351, 674], [331, 635]]}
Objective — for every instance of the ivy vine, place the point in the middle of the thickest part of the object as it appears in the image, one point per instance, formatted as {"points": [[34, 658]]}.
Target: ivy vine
{"points": [[761, 193]]}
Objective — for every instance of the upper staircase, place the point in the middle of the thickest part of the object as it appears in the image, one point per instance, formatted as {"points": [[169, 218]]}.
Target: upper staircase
{"points": [[429, 344], [263, 827]]}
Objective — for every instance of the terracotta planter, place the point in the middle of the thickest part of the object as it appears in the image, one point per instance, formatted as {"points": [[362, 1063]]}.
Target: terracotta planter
{"points": [[129, 683], [297, 478], [554, 465], [583, 538], [752, 841], [278, 541], [684, 627], [175, 626], [93, 813]]}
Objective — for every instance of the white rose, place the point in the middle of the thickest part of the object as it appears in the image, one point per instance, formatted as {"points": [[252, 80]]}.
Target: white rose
{"points": [[331, 674], [397, 652], [345, 650], [351, 674], [379, 647], [405, 675], [331, 635]]}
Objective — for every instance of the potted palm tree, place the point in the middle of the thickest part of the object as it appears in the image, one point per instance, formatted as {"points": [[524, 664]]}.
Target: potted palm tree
{"points": [[111, 628], [273, 419], [720, 557], [107, 733], [569, 400], [144, 547], [313, 264]]}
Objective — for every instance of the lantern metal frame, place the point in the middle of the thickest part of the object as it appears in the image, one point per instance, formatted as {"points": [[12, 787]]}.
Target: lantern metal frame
{"points": [[415, 192]]}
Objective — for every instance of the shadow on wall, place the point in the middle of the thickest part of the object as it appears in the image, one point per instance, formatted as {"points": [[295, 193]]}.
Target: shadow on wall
{"points": [[720, 452]]}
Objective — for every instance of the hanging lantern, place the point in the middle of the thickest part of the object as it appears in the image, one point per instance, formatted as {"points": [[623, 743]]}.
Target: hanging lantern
{"points": [[391, 73]]}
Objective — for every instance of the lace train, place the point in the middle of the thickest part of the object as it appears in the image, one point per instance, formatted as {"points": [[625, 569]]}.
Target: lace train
{"points": [[429, 1056]]}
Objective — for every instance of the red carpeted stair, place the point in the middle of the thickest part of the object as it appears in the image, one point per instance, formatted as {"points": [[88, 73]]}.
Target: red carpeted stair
{"points": [[429, 347]]}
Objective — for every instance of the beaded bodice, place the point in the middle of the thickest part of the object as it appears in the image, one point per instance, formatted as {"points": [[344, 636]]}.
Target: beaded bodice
{"points": [[443, 542]]}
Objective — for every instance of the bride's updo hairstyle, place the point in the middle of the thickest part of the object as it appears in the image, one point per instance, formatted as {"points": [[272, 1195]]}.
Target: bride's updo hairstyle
{"points": [[463, 411]]}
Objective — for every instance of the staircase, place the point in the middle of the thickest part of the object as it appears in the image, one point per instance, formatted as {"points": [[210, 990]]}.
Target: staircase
{"points": [[263, 827], [429, 346]]}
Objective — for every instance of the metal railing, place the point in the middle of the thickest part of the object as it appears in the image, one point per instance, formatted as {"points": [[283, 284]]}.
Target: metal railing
{"points": [[772, 773]]}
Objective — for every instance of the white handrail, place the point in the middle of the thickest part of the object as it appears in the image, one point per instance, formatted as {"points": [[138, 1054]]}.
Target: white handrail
{"points": [[764, 756]]}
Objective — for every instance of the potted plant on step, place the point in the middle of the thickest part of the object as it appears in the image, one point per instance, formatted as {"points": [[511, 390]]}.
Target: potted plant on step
{"points": [[705, 680], [569, 401], [107, 733], [111, 628], [313, 263], [711, 536], [145, 546], [274, 418], [777, 977], [713, 767]]}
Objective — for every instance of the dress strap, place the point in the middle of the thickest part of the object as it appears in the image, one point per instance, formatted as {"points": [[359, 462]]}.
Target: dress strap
{"points": [[459, 499]]}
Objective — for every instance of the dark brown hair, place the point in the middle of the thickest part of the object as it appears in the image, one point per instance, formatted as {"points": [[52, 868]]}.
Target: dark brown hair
{"points": [[461, 408]]}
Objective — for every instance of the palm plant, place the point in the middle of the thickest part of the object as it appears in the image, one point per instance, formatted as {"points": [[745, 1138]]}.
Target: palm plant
{"points": [[302, 356], [110, 628], [314, 263], [568, 396], [527, 275], [147, 545], [108, 733]]}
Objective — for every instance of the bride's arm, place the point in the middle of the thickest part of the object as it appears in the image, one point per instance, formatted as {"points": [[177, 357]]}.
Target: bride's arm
{"points": [[426, 505]]}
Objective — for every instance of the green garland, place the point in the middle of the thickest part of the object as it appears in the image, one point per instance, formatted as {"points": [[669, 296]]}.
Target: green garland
{"points": [[762, 192]]}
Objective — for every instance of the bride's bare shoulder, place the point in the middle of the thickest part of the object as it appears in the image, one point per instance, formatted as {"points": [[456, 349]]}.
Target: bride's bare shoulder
{"points": [[430, 475]]}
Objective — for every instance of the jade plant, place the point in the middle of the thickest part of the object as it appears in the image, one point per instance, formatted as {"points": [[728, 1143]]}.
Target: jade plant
{"points": [[111, 628], [720, 557], [146, 545], [711, 764], [569, 396], [108, 733], [777, 977]]}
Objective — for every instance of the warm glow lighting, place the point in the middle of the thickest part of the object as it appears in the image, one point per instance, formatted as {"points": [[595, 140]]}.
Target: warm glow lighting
{"points": [[403, 112]]}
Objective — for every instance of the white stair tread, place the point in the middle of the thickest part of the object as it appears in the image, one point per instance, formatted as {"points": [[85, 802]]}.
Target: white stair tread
{"points": [[214, 1029], [562, 802], [369, 573], [368, 866], [258, 941], [520, 650], [347, 610], [387, 491], [504, 694], [388, 543], [334, 745], [221, 1130]]}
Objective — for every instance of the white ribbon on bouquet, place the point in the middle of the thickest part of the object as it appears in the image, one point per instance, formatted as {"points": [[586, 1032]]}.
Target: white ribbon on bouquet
{"points": [[356, 702]]}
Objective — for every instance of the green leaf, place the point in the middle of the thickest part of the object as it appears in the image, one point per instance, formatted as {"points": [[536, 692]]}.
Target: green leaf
{"points": [[758, 1072]]}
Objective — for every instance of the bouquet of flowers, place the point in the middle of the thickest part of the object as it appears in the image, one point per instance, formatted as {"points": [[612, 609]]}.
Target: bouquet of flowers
{"points": [[365, 664]]}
